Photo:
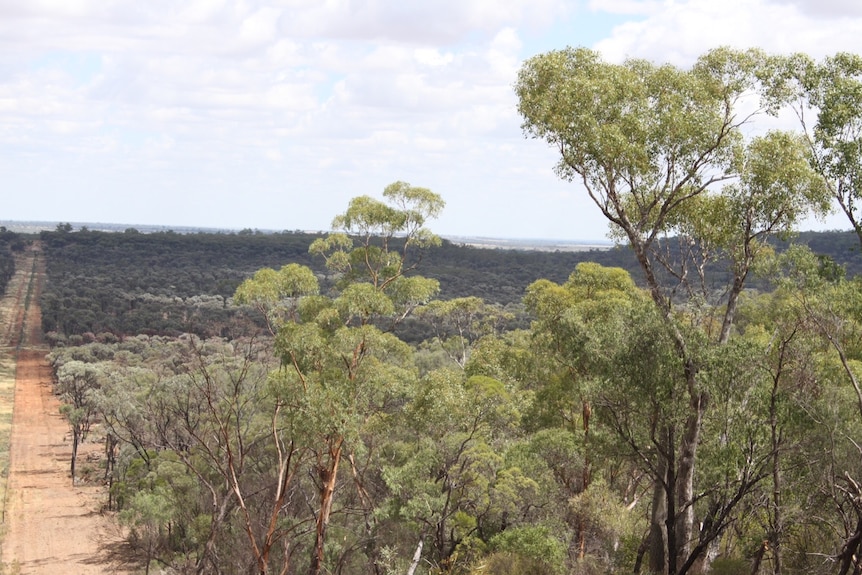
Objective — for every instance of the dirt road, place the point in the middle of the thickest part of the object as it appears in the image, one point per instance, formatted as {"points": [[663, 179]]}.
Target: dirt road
{"points": [[49, 525]]}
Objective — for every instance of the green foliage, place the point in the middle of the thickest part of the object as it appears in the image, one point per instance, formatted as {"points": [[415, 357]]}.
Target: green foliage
{"points": [[659, 129], [728, 566], [532, 550], [269, 287], [378, 258], [10, 243], [831, 91], [113, 285], [363, 302]]}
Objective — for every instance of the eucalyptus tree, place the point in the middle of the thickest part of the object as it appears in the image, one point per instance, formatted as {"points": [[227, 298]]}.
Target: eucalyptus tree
{"points": [[788, 374], [460, 322], [342, 367], [205, 466], [450, 481], [661, 152], [566, 318], [826, 97], [77, 381], [829, 307]]}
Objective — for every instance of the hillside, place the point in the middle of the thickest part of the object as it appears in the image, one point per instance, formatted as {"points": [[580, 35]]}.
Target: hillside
{"points": [[167, 282]]}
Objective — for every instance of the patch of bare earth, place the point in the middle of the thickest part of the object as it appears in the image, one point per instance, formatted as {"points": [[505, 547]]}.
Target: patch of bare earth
{"points": [[49, 525]]}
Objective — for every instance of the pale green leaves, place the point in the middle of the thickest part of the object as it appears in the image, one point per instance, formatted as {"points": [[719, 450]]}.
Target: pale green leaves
{"points": [[412, 291], [77, 381], [418, 204], [459, 322], [531, 549], [838, 95], [363, 300], [831, 91], [777, 188], [277, 293], [367, 216], [407, 211], [335, 248], [376, 243], [594, 281], [782, 186], [269, 286], [385, 231], [593, 292], [640, 137]]}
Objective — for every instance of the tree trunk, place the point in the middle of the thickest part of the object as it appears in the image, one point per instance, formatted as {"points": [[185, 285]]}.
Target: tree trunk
{"points": [[329, 476], [758, 558], [658, 542], [417, 555], [849, 554], [670, 500], [685, 519], [777, 517], [586, 478], [110, 465], [76, 438]]}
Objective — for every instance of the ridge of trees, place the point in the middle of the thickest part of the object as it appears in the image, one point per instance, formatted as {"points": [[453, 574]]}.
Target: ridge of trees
{"points": [[167, 283]]}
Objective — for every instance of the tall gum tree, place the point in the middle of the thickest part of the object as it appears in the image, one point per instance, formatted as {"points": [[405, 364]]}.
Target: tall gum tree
{"points": [[661, 152], [341, 363], [565, 314]]}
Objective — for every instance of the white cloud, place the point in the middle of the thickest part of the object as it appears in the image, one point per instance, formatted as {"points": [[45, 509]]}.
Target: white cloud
{"points": [[683, 30], [504, 52], [260, 27], [826, 8], [433, 57], [626, 7], [201, 11]]}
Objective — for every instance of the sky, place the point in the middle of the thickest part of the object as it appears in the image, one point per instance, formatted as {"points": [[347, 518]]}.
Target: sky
{"points": [[272, 115]]}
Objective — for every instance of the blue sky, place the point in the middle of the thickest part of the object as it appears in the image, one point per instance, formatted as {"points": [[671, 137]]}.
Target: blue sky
{"points": [[273, 114]]}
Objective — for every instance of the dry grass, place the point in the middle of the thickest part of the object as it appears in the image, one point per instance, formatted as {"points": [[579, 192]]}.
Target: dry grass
{"points": [[7, 398]]}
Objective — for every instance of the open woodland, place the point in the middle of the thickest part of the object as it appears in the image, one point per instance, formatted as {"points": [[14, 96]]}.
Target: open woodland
{"points": [[376, 400]]}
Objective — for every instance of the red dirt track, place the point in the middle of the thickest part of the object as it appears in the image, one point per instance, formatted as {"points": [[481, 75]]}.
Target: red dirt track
{"points": [[49, 525]]}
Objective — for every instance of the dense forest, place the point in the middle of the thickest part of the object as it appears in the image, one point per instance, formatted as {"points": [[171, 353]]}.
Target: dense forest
{"points": [[376, 400], [168, 283], [10, 243]]}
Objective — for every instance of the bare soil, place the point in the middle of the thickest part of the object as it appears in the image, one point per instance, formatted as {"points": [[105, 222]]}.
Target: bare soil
{"points": [[49, 525]]}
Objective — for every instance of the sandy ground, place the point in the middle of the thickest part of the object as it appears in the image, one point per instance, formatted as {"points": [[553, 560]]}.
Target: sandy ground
{"points": [[49, 525]]}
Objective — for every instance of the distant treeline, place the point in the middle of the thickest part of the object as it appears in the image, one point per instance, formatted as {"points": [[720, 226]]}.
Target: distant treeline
{"points": [[9, 244], [170, 283]]}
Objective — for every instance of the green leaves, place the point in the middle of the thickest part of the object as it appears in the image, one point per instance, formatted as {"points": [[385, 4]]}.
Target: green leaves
{"points": [[578, 319], [410, 292], [269, 287], [640, 137], [831, 91], [363, 301], [535, 544], [367, 216], [276, 294], [386, 233], [781, 186]]}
